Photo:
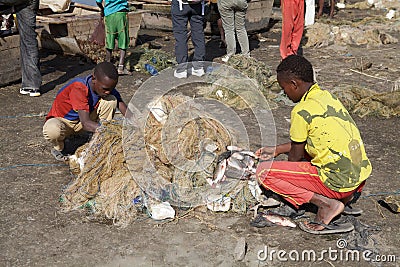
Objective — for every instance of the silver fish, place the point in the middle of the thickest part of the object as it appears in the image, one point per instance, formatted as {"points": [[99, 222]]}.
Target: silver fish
{"points": [[279, 220], [219, 173], [233, 148], [235, 163]]}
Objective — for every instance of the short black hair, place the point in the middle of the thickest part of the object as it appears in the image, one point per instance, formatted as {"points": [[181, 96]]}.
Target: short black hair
{"points": [[297, 66], [106, 69]]}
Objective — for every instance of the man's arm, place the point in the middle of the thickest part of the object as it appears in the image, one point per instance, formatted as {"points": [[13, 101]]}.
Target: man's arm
{"points": [[297, 150], [268, 152], [87, 123], [122, 107]]}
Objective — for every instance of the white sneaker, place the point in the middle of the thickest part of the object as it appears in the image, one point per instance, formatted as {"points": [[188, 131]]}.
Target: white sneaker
{"points": [[29, 91], [225, 58], [199, 72], [180, 75]]}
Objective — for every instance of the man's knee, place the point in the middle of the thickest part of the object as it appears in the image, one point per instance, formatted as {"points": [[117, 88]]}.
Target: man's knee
{"points": [[53, 129]]}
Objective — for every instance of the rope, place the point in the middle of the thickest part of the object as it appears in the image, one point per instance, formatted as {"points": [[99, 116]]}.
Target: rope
{"points": [[32, 165], [41, 114], [381, 194]]}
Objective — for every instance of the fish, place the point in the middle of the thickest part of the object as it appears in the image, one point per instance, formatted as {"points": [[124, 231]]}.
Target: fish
{"points": [[237, 155], [235, 163], [219, 173], [279, 220]]}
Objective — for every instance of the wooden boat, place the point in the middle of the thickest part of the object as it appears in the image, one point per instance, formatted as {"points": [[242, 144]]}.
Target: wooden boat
{"points": [[9, 49], [64, 31]]}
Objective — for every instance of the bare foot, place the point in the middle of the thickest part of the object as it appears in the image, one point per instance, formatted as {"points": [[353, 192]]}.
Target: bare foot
{"points": [[327, 210]]}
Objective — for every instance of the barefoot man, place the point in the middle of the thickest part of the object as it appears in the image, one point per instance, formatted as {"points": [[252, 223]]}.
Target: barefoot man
{"points": [[327, 162]]}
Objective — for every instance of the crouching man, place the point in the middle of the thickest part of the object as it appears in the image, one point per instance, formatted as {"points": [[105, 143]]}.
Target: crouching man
{"points": [[81, 104]]}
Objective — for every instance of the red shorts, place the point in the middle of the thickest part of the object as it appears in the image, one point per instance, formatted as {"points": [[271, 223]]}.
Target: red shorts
{"points": [[296, 181]]}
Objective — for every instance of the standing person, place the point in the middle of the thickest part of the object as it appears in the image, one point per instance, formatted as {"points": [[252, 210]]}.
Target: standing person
{"points": [[214, 7], [321, 8], [26, 23], [233, 14], [81, 104], [292, 26], [182, 12], [117, 28], [327, 163]]}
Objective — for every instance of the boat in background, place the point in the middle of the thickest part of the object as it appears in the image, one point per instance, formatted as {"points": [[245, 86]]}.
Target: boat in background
{"points": [[67, 30], [158, 15]]}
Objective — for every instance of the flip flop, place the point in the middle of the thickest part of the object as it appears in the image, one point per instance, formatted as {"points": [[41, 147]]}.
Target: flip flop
{"points": [[349, 210], [58, 155], [332, 228]]}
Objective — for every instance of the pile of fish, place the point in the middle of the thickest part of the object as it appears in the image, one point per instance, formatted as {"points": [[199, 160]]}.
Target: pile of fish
{"points": [[235, 163]]}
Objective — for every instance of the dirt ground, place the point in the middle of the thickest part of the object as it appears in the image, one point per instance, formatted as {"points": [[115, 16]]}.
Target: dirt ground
{"points": [[34, 231]]}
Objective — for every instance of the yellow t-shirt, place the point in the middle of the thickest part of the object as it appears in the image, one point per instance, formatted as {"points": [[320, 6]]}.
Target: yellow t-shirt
{"points": [[332, 140]]}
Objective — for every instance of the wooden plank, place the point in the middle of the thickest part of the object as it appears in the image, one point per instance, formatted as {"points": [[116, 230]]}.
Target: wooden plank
{"points": [[157, 8], [135, 20], [87, 7], [161, 21], [9, 71]]}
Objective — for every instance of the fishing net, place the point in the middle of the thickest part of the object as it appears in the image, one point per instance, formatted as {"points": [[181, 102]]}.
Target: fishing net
{"points": [[165, 149], [102, 184], [140, 56], [172, 140], [259, 72], [321, 35], [364, 102]]}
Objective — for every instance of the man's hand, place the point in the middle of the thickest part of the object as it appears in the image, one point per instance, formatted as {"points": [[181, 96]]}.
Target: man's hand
{"points": [[266, 153]]}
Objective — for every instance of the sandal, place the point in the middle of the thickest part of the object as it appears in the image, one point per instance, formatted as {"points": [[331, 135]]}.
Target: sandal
{"points": [[349, 210], [58, 155], [331, 228], [123, 71]]}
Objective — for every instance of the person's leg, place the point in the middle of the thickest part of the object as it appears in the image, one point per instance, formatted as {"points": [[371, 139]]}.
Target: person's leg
{"points": [[109, 22], [320, 8], [228, 23], [56, 130], [123, 40], [31, 77], [298, 27], [179, 27], [287, 7], [299, 183], [240, 26], [332, 8], [108, 55], [221, 33], [196, 25], [328, 209]]}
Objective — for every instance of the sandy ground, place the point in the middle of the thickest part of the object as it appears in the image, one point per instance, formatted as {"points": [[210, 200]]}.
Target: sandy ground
{"points": [[34, 231]]}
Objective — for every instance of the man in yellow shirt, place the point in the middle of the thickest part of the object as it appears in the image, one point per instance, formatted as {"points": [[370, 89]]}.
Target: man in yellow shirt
{"points": [[322, 132]]}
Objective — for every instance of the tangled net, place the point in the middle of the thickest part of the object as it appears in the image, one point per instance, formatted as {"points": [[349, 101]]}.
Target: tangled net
{"points": [[102, 182], [364, 102], [104, 186], [259, 73], [158, 58]]}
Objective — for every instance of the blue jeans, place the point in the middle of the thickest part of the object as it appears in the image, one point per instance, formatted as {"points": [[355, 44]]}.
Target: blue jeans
{"points": [[191, 13], [26, 18]]}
